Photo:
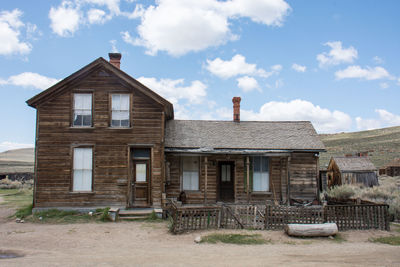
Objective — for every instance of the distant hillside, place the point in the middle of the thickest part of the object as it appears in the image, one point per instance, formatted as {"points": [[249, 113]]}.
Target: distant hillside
{"points": [[17, 160], [383, 145]]}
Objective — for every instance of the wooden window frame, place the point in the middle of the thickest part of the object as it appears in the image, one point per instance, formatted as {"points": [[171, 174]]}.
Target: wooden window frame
{"points": [[72, 168], [269, 176], [83, 91], [110, 110], [181, 173]]}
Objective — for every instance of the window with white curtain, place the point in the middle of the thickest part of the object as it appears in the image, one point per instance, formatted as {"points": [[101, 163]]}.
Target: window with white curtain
{"points": [[82, 110], [260, 174], [120, 110], [190, 172], [83, 160]]}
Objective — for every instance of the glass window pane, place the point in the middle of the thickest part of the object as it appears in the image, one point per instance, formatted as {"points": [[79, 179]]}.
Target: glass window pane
{"points": [[115, 99], [261, 174], [141, 172], [257, 164], [83, 163], [228, 173], [141, 153], [87, 120], [190, 173], [124, 102]]}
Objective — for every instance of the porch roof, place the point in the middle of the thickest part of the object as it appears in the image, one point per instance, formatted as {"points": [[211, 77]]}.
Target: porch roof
{"points": [[239, 137]]}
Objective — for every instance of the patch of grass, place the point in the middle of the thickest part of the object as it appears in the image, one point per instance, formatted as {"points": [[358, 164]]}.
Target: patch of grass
{"points": [[395, 227], [24, 212], [238, 239], [64, 217], [104, 216], [17, 198], [389, 240], [338, 238], [153, 217]]}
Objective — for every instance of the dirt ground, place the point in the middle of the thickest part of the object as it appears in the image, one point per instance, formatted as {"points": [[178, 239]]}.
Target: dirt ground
{"points": [[150, 244]]}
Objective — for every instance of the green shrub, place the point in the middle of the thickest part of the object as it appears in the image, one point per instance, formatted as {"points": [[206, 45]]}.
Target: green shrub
{"points": [[104, 216], [342, 191], [24, 212]]}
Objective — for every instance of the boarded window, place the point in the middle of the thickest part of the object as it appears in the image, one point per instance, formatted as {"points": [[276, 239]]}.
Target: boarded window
{"points": [[120, 110], [83, 160], [82, 110], [260, 174], [190, 171]]}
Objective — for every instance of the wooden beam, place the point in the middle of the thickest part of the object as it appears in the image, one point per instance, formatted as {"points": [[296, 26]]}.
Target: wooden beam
{"points": [[205, 178], [248, 176], [288, 179]]}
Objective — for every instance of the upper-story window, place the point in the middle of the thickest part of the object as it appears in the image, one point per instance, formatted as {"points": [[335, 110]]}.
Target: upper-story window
{"points": [[82, 110], [120, 110]]}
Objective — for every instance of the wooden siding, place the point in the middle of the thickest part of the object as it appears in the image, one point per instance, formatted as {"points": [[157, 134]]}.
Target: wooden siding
{"points": [[278, 180], [56, 139], [303, 176]]}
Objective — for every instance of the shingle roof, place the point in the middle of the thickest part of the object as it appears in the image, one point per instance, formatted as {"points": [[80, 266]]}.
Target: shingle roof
{"points": [[354, 164], [393, 163], [288, 135]]}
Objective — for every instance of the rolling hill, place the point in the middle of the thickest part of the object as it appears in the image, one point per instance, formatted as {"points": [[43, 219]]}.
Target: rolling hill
{"points": [[17, 160]]}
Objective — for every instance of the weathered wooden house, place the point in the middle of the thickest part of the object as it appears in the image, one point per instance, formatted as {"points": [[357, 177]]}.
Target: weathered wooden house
{"points": [[392, 168], [104, 139], [351, 170]]}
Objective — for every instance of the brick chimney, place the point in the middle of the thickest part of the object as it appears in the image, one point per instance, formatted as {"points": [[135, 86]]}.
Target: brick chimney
{"points": [[115, 59], [236, 108]]}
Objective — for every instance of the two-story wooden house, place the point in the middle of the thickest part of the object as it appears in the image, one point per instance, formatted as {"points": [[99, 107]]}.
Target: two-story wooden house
{"points": [[105, 139]]}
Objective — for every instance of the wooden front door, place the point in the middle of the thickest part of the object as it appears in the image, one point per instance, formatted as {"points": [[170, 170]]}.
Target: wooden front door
{"points": [[226, 181], [140, 183]]}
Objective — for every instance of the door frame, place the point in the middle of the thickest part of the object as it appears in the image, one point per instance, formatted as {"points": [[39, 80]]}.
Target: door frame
{"points": [[129, 195], [233, 175]]}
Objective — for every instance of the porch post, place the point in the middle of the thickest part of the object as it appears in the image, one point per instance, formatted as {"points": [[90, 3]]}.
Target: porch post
{"points": [[205, 178], [248, 177], [288, 179]]}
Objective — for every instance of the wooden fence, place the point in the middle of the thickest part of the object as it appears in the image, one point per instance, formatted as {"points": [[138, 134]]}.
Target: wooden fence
{"points": [[273, 217]]}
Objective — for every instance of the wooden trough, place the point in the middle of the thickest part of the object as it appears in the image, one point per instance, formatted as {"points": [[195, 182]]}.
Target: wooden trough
{"points": [[320, 229]]}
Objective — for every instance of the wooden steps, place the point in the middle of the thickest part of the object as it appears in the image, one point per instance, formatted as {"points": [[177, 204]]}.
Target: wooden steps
{"points": [[136, 214]]}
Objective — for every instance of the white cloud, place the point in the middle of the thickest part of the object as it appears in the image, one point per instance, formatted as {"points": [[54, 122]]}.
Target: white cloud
{"points": [[29, 79], [398, 81], [323, 119], [384, 85], [238, 66], [179, 27], [358, 72], [385, 119], [174, 90], [4, 146], [114, 48], [97, 16], [299, 68], [378, 60], [279, 83], [248, 84], [112, 5], [65, 19], [10, 35], [337, 54]]}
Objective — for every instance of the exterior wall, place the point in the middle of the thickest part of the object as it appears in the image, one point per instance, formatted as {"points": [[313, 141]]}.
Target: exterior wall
{"points": [[278, 180], [393, 171], [56, 139], [303, 176]]}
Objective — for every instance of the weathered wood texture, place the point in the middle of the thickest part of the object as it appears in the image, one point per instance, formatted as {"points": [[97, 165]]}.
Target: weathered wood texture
{"points": [[323, 229], [303, 176], [56, 139], [278, 182]]}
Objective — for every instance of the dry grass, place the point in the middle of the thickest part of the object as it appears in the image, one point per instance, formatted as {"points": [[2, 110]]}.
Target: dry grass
{"points": [[8, 184]]}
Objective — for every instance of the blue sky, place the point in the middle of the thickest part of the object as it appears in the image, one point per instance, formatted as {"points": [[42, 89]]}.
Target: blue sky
{"points": [[335, 63]]}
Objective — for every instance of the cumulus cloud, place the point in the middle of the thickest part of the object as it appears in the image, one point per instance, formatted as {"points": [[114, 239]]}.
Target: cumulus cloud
{"points": [[248, 84], [367, 74], [378, 60], [114, 48], [65, 19], [385, 119], [238, 66], [299, 68], [29, 79], [324, 120], [4, 146], [97, 16], [175, 90], [179, 27], [337, 54], [10, 33]]}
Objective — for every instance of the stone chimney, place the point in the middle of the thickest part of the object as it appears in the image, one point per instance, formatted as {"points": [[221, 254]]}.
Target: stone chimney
{"points": [[115, 59], [236, 108]]}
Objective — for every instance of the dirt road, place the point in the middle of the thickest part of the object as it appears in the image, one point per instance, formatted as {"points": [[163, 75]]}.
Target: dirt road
{"points": [[150, 244]]}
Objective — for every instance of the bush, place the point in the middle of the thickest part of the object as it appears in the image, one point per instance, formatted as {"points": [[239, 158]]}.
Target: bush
{"points": [[24, 212], [104, 216], [342, 191], [8, 184]]}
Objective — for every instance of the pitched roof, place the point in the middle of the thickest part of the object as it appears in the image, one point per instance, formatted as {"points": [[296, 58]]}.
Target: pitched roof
{"points": [[274, 135], [354, 163], [393, 163], [101, 63]]}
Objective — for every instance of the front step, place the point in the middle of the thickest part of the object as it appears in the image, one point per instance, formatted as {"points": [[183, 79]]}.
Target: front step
{"points": [[137, 214]]}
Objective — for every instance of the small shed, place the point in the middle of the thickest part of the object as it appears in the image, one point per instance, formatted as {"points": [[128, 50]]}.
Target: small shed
{"points": [[351, 170], [392, 168]]}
